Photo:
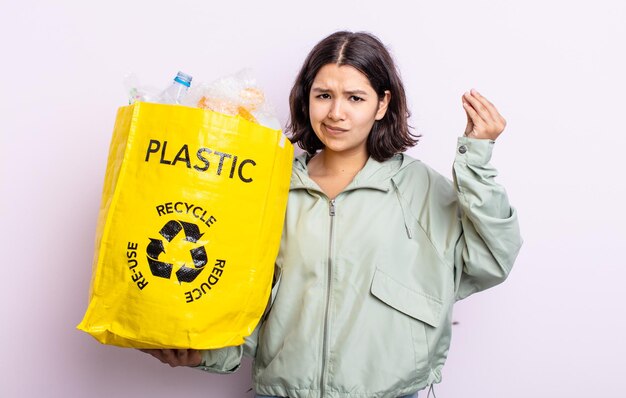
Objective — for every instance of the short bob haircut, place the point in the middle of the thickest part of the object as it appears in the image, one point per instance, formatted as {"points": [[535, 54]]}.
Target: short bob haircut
{"points": [[367, 54]]}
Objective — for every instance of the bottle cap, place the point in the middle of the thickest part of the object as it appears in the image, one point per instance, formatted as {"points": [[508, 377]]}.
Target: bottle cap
{"points": [[183, 79]]}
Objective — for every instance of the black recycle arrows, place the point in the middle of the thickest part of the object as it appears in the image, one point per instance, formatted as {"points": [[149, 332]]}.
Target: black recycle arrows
{"points": [[169, 231]]}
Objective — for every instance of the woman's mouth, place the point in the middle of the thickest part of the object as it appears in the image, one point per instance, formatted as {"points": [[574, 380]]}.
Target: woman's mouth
{"points": [[334, 129]]}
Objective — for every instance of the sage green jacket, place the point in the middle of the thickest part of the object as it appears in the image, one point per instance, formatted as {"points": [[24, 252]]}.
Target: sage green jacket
{"points": [[367, 281]]}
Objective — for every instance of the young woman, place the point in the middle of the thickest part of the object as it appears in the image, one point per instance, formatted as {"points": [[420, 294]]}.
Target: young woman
{"points": [[376, 246]]}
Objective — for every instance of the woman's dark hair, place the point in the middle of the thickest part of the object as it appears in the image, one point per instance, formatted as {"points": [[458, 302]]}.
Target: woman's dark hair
{"points": [[368, 55]]}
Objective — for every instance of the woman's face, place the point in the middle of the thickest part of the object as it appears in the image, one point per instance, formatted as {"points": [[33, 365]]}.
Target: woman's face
{"points": [[343, 107]]}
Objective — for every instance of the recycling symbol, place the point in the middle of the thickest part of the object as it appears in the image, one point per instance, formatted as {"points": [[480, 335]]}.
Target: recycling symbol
{"points": [[163, 269]]}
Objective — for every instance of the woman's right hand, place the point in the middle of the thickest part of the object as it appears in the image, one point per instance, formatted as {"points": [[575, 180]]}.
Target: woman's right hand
{"points": [[177, 357], [483, 119]]}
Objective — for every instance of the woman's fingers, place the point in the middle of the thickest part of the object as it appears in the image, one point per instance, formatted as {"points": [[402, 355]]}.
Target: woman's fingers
{"points": [[470, 124], [486, 121], [488, 106], [170, 357], [194, 358], [472, 117], [175, 357], [493, 111], [476, 103]]}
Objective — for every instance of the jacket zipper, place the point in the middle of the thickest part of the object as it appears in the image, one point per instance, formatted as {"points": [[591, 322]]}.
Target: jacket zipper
{"points": [[331, 213]]}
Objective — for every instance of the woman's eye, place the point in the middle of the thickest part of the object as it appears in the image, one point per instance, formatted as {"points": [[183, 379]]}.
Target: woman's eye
{"points": [[324, 96], [355, 98]]}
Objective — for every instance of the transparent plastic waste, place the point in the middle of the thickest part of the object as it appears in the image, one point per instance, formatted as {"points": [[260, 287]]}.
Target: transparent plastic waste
{"points": [[177, 91], [139, 93], [235, 95], [174, 94]]}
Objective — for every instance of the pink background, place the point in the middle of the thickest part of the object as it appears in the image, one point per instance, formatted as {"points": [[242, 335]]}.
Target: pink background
{"points": [[555, 70]]}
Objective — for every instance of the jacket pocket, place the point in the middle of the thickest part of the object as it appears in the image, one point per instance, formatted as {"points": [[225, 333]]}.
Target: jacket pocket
{"points": [[413, 303], [421, 310]]}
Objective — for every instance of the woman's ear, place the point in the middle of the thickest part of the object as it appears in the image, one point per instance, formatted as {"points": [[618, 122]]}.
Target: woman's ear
{"points": [[383, 104]]}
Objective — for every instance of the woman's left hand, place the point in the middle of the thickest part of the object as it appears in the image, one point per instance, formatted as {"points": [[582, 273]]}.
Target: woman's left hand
{"points": [[483, 119], [176, 357]]}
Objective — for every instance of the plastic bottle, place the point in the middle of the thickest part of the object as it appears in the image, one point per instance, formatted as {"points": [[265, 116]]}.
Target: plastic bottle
{"points": [[177, 90]]}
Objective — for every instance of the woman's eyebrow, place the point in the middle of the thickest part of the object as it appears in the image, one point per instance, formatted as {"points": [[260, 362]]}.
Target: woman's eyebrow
{"points": [[349, 92], [354, 92], [320, 90]]}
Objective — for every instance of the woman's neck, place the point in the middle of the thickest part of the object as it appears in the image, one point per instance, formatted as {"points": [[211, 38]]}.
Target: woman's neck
{"points": [[328, 163], [333, 172]]}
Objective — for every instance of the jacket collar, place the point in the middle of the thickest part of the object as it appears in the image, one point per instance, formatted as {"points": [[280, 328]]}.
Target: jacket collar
{"points": [[374, 175]]}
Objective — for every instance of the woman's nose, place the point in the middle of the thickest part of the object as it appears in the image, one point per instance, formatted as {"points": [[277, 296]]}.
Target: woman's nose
{"points": [[336, 111]]}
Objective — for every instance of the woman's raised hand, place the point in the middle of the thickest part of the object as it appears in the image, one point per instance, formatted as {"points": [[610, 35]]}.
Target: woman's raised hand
{"points": [[483, 119]]}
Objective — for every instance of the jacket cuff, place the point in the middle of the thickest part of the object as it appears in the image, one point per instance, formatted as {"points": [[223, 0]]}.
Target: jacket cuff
{"points": [[223, 360], [473, 150]]}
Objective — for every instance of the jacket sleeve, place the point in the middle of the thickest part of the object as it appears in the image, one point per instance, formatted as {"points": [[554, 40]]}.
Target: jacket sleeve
{"points": [[228, 360], [490, 238]]}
